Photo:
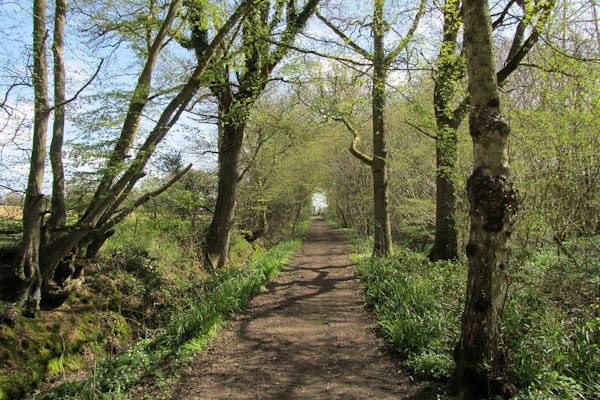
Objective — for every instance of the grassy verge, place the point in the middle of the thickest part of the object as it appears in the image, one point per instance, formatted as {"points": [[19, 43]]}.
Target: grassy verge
{"points": [[551, 328], [418, 306], [146, 287], [154, 362]]}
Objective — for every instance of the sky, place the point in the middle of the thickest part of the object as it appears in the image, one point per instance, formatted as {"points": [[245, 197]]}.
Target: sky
{"points": [[319, 203]]}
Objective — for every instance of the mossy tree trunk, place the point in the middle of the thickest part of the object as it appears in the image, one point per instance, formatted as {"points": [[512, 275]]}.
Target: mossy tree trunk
{"points": [[450, 70], [382, 238]]}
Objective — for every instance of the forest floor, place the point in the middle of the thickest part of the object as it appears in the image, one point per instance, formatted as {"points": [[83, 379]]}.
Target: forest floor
{"points": [[308, 336]]}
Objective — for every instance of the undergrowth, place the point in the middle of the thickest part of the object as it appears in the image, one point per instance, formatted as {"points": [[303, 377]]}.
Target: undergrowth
{"points": [[418, 307], [147, 286], [551, 326]]}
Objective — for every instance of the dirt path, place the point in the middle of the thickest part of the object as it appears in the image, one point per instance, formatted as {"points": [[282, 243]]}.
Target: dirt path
{"points": [[308, 337]]}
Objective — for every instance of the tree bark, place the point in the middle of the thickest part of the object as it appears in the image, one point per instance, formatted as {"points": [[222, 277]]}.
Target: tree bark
{"points": [[58, 217], [450, 70], [445, 244], [479, 369], [382, 245], [28, 274], [137, 104], [231, 138]]}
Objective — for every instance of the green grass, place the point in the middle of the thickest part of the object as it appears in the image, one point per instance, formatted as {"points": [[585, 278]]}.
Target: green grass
{"points": [[418, 305], [551, 327], [10, 236], [225, 292]]}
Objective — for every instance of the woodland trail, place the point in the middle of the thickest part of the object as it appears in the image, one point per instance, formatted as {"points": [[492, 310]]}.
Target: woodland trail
{"points": [[307, 337]]}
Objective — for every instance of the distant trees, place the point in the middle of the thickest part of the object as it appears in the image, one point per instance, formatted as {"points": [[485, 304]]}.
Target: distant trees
{"points": [[278, 164], [555, 124]]}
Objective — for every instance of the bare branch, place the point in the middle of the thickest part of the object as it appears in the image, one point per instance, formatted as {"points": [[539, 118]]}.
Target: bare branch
{"points": [[142, 200], [502, 15], [320, 54], [421, 130], [345, 37], [76, 95]]}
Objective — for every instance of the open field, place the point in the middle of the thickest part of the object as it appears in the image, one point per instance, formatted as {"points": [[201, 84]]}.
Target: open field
{"points": [[11, 212]]}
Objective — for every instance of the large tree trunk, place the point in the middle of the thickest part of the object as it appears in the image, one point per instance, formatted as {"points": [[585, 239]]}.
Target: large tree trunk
{"points": [[382, 226], [450, 70], [28, 274], [231, 138], [479, 360], [27, 271]]}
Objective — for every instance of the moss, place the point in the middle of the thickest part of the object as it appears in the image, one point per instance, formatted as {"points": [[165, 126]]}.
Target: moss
{"points": [[74, 362], [55, 369], [120, 328]]}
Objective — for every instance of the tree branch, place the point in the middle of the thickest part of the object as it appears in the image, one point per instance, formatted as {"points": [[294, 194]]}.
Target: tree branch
{"points": [[420, 130], [145, 198], [548, 70], [344, 37], [81, 89], [366, 159], [404, 42], [519, 51]]}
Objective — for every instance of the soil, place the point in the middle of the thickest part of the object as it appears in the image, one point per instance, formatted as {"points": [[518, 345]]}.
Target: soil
{"points": [[307, 337]]}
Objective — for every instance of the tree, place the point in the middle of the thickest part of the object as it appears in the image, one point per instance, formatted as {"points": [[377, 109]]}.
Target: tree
{"points": [[27, 269], [450, 71], [46, 265], [450, 104], [493, 204], [263, 45], [380, 63]]}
